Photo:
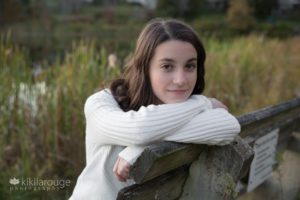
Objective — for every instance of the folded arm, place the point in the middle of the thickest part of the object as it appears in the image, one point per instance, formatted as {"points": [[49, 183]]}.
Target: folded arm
{"points": [[212, 127], [107, 123]]}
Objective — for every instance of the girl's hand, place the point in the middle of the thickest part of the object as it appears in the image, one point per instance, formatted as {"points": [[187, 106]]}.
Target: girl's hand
{"points": [[217, 104], [121, 169]]}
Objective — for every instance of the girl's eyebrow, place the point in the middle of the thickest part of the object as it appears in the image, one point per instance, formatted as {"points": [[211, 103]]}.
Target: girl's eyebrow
{"points": [[172, 60], [192, 59], [167, 60]]}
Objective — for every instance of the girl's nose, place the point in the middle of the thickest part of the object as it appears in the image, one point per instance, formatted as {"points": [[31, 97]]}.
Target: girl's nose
{"points": [[180, 78]]}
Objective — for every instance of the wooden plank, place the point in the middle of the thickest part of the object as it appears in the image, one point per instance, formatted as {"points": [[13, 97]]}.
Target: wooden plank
{"points": [[223, 166], [268, 112], [262, 121], [167, 187], [162, 157]]}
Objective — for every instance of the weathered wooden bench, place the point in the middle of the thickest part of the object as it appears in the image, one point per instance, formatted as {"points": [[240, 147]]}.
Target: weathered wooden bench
{"points": [[162, 169]]}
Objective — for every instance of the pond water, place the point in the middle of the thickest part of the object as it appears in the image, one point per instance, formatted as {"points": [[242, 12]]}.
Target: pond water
{"points": [[50, 46]]}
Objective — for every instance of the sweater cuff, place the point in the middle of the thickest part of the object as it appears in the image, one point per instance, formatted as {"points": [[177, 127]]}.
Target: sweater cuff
{"points": [[207, 102], [131, 153]]}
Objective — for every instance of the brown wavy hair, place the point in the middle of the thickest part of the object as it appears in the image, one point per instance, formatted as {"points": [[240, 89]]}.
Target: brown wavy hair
{"points": [[134, 89]]}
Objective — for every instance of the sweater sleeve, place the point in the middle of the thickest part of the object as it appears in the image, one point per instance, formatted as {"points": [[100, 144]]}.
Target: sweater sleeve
{"points": [[107, 123], [215, 127], [131, 153], [212, 127]]}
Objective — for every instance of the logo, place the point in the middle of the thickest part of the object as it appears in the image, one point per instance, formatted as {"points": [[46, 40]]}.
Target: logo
{"points": [[14, 181], [35, 184]]}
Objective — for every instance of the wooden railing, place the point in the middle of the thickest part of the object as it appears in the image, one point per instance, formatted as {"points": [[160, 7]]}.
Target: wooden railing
{"points": [[215, 171]]}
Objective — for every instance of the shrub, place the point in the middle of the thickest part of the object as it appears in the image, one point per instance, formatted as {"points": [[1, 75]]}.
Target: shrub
{"points": [[240, 16], [263, 8], [181, 8], [167, 8]]}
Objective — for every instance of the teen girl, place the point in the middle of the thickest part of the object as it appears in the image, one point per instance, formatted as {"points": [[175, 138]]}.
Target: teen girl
{"points": [[157, 99]]}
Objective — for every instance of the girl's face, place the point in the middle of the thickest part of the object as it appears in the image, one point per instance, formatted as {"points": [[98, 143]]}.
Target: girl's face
{"points": [[173, 71]]}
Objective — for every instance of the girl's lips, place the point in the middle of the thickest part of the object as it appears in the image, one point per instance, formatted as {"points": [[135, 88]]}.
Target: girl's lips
{"points": [[178, 91]]}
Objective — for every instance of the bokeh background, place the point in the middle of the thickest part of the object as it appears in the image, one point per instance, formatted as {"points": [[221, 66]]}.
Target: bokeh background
{"points": [[54, 54]]}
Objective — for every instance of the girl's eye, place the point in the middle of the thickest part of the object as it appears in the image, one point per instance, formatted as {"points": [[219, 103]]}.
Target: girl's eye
{"points": [[167, 67], [191, 66]]}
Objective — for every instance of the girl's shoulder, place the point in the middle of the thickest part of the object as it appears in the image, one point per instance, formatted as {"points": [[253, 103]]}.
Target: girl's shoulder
{"points": [[99, 98], [100, 94]]}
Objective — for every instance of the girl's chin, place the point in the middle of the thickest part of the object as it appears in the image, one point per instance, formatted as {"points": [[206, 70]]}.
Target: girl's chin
{"points": [[180, 100]]}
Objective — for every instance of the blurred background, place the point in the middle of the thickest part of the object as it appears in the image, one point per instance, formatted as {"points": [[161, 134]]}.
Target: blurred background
{"points": [[54, 54]]}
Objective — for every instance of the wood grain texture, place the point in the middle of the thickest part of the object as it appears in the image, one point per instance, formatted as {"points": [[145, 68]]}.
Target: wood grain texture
{"points": [[163, 157], [167, 187]]}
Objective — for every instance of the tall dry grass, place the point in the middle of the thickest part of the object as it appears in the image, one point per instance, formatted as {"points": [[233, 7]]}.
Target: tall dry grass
{"points": [[42, 123], [253, 72]]}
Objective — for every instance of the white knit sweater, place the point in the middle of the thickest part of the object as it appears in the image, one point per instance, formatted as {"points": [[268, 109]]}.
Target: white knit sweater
{"points": [[111, 132]]}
